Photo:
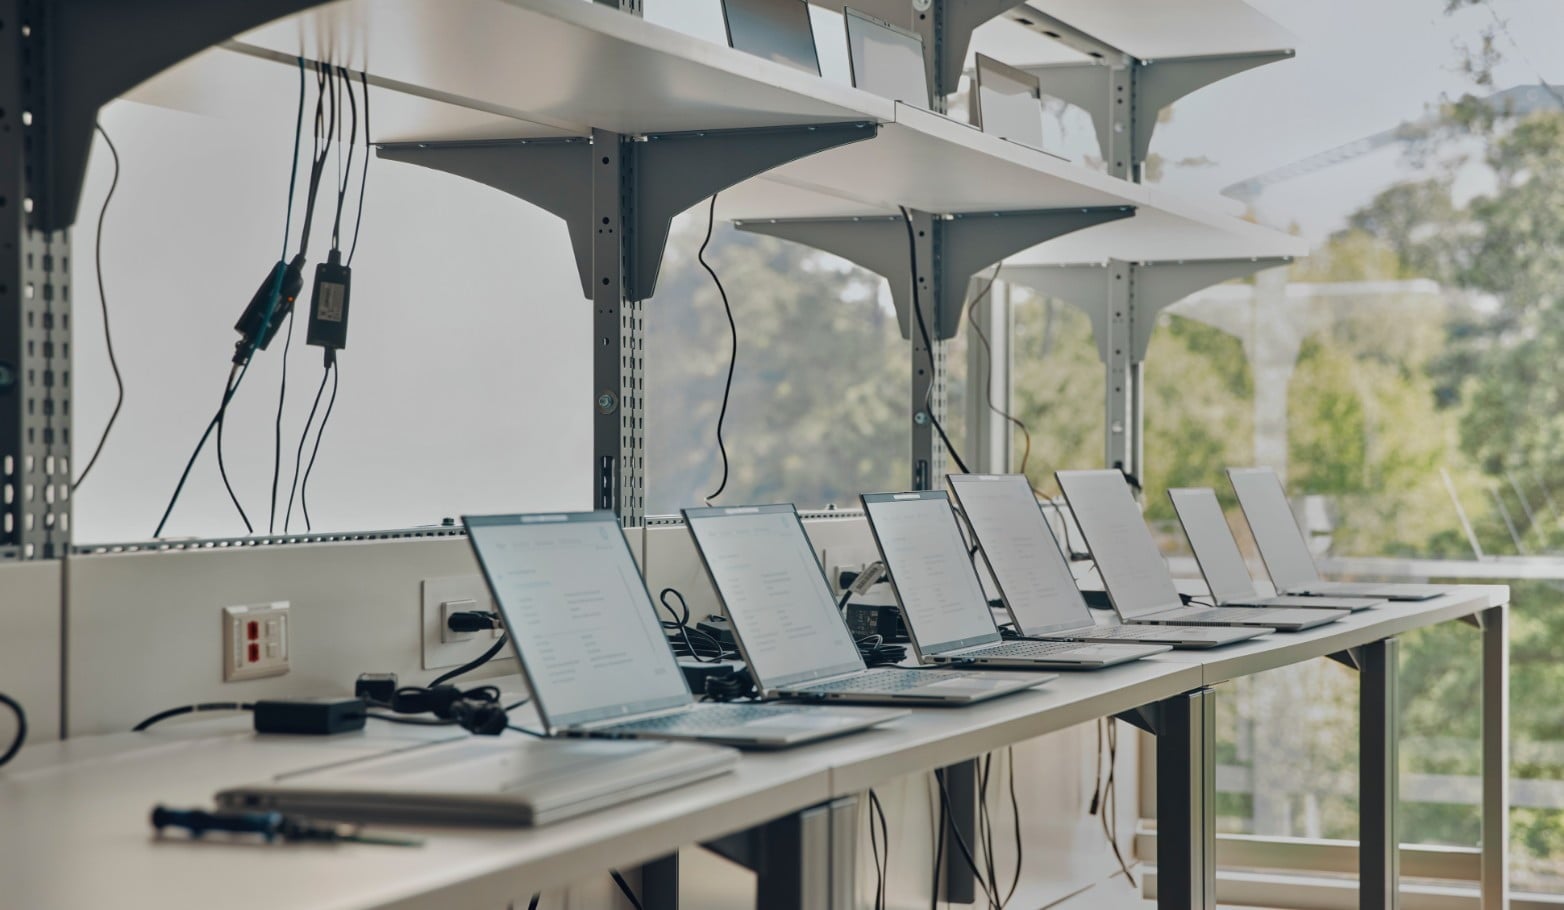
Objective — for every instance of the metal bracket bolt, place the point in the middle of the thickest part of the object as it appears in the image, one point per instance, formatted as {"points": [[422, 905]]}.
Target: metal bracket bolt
{"points": [[607, 402]]}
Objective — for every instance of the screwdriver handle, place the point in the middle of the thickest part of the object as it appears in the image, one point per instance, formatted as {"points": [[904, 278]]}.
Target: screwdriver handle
{"points": [[198, 821]]}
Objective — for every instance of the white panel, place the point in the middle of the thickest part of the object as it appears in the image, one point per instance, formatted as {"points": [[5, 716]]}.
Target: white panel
{"points": [[145, 628], [1189, 28], [30, 647]]}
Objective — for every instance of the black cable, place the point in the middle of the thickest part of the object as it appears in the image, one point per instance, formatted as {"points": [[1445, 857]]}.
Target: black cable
{"points": [[216, 420], [885, 838], [1110, 820], [960, 839], [533, 904], [473, 664], [304, 487], [192, 709], [939, 851], [282, 399], [363, 180], [298, 456], [876, 834], [222, 421], [537, 733], [988, 384], [624, 886], [733, 359], [410, 721], [21, 728], [1015, 816], [928, 343], [103, 301], [342, 179], [681, 624], [985, 830]]}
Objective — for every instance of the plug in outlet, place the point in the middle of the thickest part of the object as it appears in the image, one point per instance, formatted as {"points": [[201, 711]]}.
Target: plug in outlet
{"points": [[443, 648], [255, 641]]}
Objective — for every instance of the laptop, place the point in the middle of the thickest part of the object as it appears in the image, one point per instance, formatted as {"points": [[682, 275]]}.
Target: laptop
{"points": [[778, 30], [1132, 569], [1007, 102], [1033, 576], [942, 601], [1223, 565], [887, 60], [786, 622], [1285, 552], [484, 780], [593, 651]]}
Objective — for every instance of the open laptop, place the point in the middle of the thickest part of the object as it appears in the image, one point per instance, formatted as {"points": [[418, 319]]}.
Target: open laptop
{"points": [[793, 639], [942, 600], [887, 60], [593, 651], [1132, 569], [483, 780], [1222, 563], [1033, 576], [1007, 102], [1285, 552], [778, 30]]}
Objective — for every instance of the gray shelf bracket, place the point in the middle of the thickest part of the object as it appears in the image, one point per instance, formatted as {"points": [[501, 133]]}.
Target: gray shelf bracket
{"points": [[82, 54], [1122, 299], [963, 245], [1125, 96], [662, 174], [1146, 718], [1351, 658]]}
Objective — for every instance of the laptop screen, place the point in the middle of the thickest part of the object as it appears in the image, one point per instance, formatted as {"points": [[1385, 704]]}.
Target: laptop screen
{"points": [[765, 570], [778, 30], [1128, 560], [1021, 551], [886, 60], [1282, 546], [940, 596], [1007, 103], [1221, 562], [578, 615]]}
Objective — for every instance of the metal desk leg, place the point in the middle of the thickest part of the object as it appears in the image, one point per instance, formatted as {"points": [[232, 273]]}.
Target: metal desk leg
{"points": [[1186, 801], [960, 781], [1496, 759], [660, 883], [1379, 849], [804, 861]]}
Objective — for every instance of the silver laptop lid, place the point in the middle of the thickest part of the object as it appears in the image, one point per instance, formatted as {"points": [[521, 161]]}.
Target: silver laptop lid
{"points": [[766, 574], [578, 615], [887, 60], [1007, 102], [1030, 570], [778, 30], [1210, 536], [1128, 560], [1283, 548], [938, 589]]}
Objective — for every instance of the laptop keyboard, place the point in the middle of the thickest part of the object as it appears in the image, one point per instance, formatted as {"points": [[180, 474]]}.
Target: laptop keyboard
{"points": [[890, 680], [1023, 649], [707, 718]]}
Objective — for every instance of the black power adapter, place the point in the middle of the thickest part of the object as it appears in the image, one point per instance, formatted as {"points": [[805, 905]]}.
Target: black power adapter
{"points": [[329, 304], [284, 280], [310, 716]]}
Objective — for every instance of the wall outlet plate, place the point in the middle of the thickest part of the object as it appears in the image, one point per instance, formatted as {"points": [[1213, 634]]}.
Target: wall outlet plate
{"points": [[441, 597], [255, 641]]}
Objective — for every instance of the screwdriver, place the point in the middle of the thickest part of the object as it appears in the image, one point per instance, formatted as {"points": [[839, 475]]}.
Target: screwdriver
{"points": [[270, 826]]}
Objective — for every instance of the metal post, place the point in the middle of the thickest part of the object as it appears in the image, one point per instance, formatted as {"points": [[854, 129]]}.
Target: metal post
{"points": [[618, 433], [660, 883], [1496, 759], [1186, 801], [960, 784], [1379, 848], [35, 307], [1120, 427], [928, 360]]}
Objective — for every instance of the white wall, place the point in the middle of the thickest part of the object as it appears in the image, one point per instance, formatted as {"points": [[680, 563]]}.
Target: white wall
{"points": [[466, 384]]}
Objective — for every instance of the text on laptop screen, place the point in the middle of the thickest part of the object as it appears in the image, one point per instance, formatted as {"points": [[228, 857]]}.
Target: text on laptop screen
{"points": [[1127, 557], [886, 61], [770, 583], [578, 613], [1282, 546], [778, 30], [1020, 550], [1211, 538], [934, 580]]}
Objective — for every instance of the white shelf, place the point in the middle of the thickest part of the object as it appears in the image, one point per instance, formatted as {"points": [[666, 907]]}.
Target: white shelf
{"points": [[529, 68], [1188, 28]]}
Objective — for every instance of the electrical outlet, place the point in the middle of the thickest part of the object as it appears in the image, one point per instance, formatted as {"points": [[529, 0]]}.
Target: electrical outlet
{"points": [[255, 641], [443, 648]]}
